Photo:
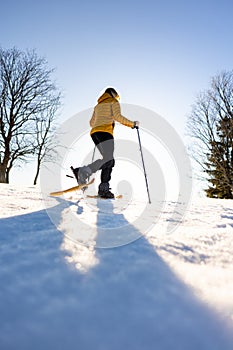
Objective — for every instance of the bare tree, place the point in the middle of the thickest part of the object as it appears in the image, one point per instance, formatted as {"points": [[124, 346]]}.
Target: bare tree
{"points": [[26, 93], [45, 147], [210, 111]]}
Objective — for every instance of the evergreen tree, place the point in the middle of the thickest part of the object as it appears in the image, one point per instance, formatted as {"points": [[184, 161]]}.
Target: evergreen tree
{"points": [[210, 126], [220, 161]]}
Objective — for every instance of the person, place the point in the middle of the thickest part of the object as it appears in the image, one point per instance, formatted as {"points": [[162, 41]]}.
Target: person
{"points": [[102, 123]]}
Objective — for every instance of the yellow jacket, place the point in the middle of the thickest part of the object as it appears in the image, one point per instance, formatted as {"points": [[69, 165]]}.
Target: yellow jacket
{"points": [[106, 112]]}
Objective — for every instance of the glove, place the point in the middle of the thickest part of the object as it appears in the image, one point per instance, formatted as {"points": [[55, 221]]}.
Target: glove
{"points": [[135, 125]]}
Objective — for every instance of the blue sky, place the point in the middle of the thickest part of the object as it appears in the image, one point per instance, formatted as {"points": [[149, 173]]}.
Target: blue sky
{"points": [[158, 54]]}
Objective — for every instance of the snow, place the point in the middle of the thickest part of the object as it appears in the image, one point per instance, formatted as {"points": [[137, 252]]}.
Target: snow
{"points": [[158, 291]]}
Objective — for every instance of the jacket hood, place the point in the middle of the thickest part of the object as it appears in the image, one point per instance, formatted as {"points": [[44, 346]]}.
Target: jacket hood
{"points": [[106, 98]]}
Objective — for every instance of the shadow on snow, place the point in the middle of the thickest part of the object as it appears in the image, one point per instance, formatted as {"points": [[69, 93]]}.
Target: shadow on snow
{"points": [[128, 299]]}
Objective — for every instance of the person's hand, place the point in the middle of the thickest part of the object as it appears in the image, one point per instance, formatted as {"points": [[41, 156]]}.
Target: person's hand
{"points": [[136, 125]]}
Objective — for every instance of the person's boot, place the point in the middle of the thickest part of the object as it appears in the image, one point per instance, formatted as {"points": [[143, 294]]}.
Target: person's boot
{"points": [[104, 190], [82, 174]]}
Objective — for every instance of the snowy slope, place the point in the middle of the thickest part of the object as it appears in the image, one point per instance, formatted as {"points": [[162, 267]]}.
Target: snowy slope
{"points": [[159, 292]]}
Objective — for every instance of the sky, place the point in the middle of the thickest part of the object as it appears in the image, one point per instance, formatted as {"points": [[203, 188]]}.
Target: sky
{"points": [[157, 54]]}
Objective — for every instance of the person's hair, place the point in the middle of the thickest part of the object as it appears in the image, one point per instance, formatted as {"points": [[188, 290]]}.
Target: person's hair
{"points": [[111, 91]]}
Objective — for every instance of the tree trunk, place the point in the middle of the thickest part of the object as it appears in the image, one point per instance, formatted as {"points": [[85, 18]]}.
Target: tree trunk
{"points": [[7, 175], [3, 174], [37, 172]]}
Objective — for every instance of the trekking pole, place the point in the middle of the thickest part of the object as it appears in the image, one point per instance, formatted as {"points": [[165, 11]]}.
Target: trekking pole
{"points": [[143, 164]]}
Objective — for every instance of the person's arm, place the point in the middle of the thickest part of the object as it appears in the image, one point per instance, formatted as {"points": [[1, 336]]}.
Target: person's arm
{"points": [[92, 120], [116, 109]]}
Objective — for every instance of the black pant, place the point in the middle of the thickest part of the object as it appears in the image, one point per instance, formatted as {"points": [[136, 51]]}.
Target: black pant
{"points": [[104, 141]]}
